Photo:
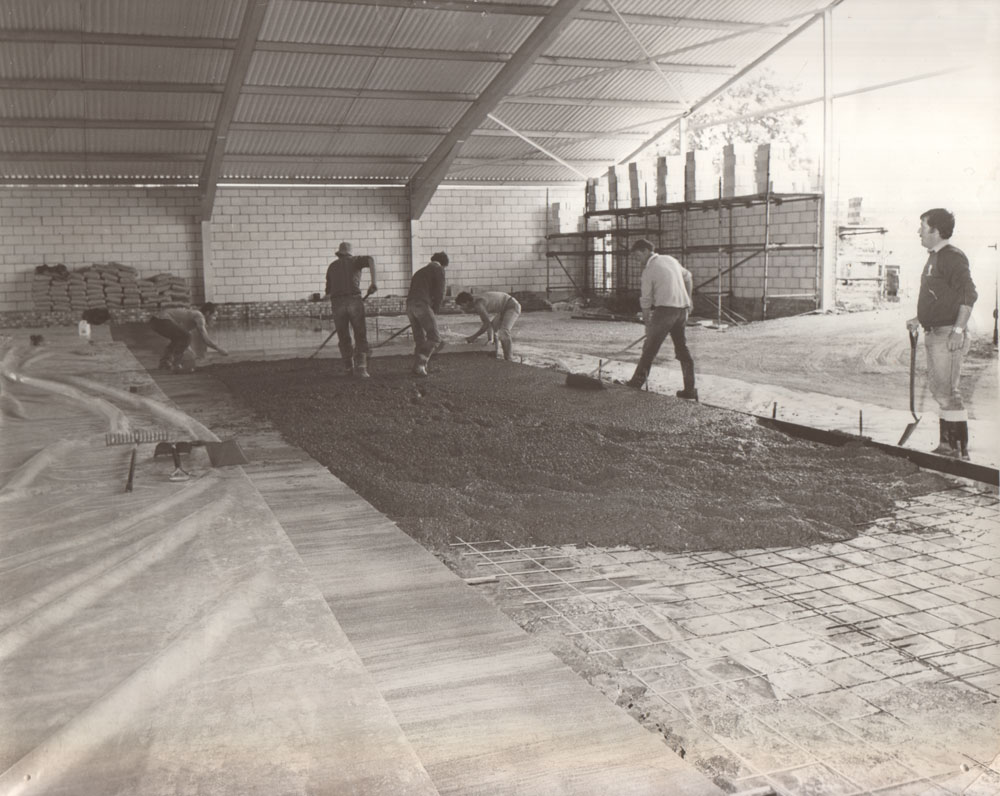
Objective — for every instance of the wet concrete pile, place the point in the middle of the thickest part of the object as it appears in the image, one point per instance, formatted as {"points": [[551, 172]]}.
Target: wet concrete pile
{"points": [[493, 450]]}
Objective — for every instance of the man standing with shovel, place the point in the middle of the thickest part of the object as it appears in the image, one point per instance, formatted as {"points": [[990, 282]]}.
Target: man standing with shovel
{"points": [[944, 306]]}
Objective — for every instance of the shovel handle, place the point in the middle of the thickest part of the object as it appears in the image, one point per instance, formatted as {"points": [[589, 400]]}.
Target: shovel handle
{"points": [[914, 334]]}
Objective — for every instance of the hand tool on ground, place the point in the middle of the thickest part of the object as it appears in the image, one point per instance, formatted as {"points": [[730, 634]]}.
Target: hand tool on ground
{"points": [[220, 454], [133, 438], [587, 381], [913, 367], [390, 337], [330, 336]]}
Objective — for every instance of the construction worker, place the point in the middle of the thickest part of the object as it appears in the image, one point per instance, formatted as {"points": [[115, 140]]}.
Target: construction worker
{"points": [[505, 310], [944, 306], [665, 301], [422, 304], [343, 286], [184, 327]]}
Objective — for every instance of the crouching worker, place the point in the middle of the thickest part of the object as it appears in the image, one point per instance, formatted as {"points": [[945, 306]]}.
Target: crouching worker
{"points": [[505, 310], [343, 286], [423, 301], [185, 327]]}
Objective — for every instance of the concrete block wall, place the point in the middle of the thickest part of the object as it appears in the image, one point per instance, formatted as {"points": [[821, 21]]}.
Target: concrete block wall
{"points": [[274, 244], [270, 245], [685, 229], [495, 238]]}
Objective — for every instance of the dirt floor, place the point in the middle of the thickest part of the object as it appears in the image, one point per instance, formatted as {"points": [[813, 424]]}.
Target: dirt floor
{"points": [[485, 449]]}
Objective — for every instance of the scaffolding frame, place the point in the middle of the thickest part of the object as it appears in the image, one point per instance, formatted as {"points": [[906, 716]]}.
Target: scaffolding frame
{"points": [[605, 243]]}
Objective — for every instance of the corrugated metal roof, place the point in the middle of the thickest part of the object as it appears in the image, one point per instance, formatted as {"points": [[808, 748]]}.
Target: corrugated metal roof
{"points": [[329, 23], [411, 74], [351, 90]]}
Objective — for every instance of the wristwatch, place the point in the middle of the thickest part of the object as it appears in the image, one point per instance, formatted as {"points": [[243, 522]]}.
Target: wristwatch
{"points": [[957, 330]]}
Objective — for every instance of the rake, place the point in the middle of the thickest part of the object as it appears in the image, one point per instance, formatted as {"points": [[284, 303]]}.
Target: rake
{"points": [[133, 438]]}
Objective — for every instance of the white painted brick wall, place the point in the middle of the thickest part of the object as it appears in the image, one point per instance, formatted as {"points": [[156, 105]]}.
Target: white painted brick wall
{"points": [[494, 237], [274, 243]]}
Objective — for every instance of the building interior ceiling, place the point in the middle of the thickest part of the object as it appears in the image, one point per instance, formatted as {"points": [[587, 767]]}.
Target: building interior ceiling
{"points": [[412, 92]]}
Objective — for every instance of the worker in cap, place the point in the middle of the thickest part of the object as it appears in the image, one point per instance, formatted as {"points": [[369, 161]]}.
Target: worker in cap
{"points": [[343, 286], [665, 301], [423, 301]]}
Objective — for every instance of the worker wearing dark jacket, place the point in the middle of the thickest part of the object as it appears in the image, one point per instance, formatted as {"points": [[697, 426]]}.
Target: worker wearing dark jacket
{"points": [[944, 307], [422, 304], [343, 286]]}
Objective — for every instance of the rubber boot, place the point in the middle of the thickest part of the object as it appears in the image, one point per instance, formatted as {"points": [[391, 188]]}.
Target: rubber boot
{"points": [[361, 366], [689, 393], [348, 364], [944, 447], [960, 439], [420, 367]]}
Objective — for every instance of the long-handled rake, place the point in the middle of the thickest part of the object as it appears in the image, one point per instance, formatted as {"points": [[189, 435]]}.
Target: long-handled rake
{"points": [[330, 336]]}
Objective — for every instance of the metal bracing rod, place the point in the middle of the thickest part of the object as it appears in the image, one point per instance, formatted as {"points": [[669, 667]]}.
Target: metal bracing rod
{"points": [[734, 79], [781, 23], [539, 147], [729, 269], [839, 95], [649, 57]]}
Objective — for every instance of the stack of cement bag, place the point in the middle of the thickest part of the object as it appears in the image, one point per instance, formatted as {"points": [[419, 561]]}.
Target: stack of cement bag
{"points": [[103, 285]]}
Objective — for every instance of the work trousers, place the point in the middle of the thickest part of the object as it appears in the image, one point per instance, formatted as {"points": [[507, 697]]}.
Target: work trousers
{"points": [[179, 339], [423, 324], [664, 321], [944, 370], [349, 313]]}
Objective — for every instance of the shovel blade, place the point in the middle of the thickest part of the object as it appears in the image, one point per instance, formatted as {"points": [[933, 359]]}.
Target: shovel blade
{"points": [[223, 454], [583, 382], [908, 432]]}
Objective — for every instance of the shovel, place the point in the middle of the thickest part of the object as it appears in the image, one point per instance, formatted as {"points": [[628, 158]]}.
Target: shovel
{"points": [[588, 381], [913, 366]]}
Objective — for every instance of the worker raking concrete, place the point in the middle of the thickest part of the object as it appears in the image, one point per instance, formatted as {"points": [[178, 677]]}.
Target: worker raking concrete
{"points": [[422, 304], [343, 286], [665, 302]]}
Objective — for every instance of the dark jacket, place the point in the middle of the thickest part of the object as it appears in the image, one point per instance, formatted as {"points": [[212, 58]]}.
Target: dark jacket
{"points": [[427, 285], [944, 287], [343, 277]]}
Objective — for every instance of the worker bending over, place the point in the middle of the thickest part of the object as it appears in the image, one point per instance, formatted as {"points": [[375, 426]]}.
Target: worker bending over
{"points": [[505, 310], [184, 327]]}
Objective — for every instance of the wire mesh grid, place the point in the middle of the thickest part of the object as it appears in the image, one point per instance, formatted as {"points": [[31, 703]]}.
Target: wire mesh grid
{"points": [[773, 581]]}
